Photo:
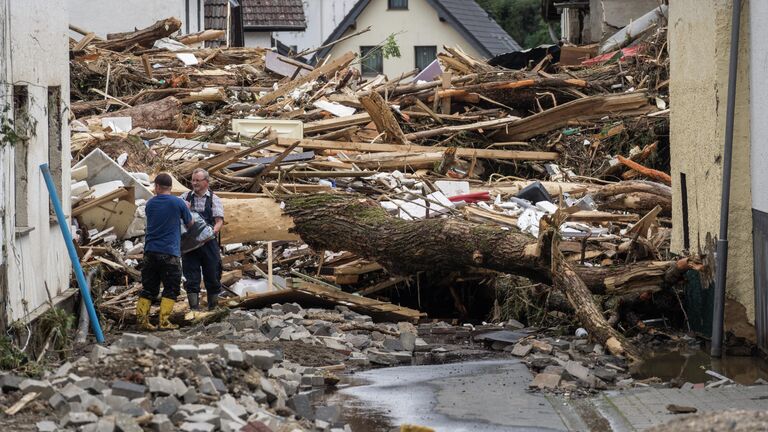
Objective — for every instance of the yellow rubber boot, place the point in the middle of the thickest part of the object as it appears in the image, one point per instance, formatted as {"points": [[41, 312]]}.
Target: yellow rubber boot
{"points": [[142, 314], [415, 428], [166, 308]]}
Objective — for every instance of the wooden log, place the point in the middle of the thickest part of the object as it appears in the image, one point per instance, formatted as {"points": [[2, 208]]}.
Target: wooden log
{"points": [[144, 37], [580, 298], [163, 114], [648, 172], [255, 219], [635, 195], [202, 36], [382, 116]]}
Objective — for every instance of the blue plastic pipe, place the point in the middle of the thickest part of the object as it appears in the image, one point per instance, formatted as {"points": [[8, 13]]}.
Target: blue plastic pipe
{"points": [[65, 231]]}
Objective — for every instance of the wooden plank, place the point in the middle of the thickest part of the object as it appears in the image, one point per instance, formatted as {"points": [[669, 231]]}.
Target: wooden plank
{"points": [[315, 74], [325, 174], [117, 193], [598, 216], [358, 267], [461, 152], [392, 281], [584, 109], [337, 123]]}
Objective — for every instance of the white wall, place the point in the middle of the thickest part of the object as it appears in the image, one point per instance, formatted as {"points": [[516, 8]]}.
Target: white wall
{"points": [[37, 262], [608, 16], [258, 39], [115, 16], [759, 103], [417, 26], [323, 16]]}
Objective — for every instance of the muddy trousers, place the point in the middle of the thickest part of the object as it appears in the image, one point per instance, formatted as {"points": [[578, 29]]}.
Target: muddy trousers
{"points": [[160, 268], [208, 259]]}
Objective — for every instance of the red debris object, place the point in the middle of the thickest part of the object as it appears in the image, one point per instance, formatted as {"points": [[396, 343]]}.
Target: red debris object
{"points": [[472, 197]]}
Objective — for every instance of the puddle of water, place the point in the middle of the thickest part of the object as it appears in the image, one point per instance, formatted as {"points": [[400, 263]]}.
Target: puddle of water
{"points": [[483, 396], [689, 365]]}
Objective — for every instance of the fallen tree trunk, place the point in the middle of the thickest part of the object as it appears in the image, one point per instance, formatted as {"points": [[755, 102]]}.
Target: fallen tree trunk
{"points": [[354, 223], [162, 114]]}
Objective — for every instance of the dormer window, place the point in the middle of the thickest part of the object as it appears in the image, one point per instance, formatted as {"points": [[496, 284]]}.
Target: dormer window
{"points": [[398, 4]]}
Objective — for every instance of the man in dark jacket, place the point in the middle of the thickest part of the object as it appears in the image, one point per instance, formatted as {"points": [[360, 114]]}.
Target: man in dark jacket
{"points": [[161, 253], [207, 258]]}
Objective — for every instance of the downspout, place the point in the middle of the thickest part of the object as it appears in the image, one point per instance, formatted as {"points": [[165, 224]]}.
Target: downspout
{"points": [[718, 318], [186, 15]]}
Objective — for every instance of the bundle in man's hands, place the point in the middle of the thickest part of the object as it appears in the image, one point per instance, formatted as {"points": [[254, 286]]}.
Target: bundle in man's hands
{"points": [[194, 237]]}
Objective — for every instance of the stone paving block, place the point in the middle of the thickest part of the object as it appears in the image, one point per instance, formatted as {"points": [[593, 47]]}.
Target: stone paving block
{"points": [[208, 348], [233, 355], [201, 369], [184, 351], [91, 385], [190, 396], [161, 423], [301, 405], [268, 389], [131, 340], [154, 342], [128, 389], [160, 385], [232, 407], [521, 350], [58, 402], [98, 352], [391, 344], [205, 417], [126, 423], [166, 405], [261, 359], [46, 426], [541, 346], [546, 381], [64, 369], [219, 385], [207, 386], [94, 405], [196, 427], [578, 371], [408, 341], [78, 419], [105, 424], [32, 385]]}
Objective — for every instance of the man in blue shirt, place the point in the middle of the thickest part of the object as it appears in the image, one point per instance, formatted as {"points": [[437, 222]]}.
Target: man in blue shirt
{"points": [[162, 252]]}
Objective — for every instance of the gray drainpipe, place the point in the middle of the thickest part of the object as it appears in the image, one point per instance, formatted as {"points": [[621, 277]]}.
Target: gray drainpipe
{"points": [[718, 318]]}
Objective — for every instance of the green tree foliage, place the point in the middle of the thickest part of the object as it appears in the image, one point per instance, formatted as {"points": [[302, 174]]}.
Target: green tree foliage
{"points": [[521, 19]]}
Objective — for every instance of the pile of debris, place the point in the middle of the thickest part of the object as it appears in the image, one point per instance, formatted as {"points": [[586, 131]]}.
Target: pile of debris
{"points": [[222, 376], [338, 187]]}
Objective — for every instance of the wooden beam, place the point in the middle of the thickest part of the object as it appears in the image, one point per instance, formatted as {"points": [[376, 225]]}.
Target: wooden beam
{"points": [[315, 74], [584, 109], [460, 152], [337, 123]]}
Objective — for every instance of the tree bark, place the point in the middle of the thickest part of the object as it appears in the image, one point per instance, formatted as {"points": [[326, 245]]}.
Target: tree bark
{"points": [[144, 37], [635, 195], [162, 114], [354, 223], [580, 297]]}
